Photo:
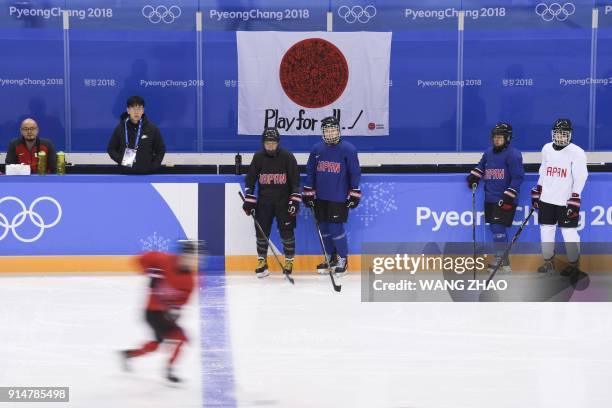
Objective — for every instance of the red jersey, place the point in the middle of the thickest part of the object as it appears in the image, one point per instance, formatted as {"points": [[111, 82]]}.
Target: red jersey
{"points": [[173, 287]]}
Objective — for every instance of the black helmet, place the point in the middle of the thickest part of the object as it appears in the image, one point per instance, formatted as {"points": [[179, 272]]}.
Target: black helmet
{"points": [[190, 246], [270, 135], [502, 129], [330, 123], [562, 132]]}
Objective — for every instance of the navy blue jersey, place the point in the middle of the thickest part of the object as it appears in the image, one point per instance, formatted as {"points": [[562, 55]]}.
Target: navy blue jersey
{"points": [[333, 170], [501, 170]]}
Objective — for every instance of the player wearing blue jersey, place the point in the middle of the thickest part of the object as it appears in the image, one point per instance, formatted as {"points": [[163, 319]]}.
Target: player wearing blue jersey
{"points": [[332, 188], [501, 168]]}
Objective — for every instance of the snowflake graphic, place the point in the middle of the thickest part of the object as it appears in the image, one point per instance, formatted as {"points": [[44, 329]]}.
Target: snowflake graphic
{"points": [[378, 199], [155, 243]]}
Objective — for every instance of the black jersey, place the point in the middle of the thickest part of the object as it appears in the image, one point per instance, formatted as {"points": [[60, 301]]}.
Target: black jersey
{"points": [[277, 176]]}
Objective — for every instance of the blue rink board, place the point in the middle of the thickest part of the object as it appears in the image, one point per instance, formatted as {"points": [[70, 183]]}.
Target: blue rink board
{"points": [[114, 215]]}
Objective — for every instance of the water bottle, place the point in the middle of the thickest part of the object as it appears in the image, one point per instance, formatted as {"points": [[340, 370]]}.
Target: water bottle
{"points": [[42, 163], [237, 164], [61, 163]]}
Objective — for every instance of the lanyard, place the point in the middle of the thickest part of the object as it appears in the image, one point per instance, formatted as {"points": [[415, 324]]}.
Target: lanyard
{"points": [[127, 145]]}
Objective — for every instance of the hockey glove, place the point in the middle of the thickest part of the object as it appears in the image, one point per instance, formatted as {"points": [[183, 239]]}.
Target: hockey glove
{"points": [[573, 206], [353, 198], [536, 192], [507, 201], [294, 204], [250, 202], [308, 196], [474, 177]]}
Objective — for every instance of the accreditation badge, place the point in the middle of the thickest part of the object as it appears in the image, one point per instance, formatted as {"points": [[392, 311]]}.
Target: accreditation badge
{"points": [[129, 157]]}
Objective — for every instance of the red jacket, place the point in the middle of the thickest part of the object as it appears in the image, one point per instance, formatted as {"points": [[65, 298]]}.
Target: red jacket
{"points": [[18, 152], [170, 287]]}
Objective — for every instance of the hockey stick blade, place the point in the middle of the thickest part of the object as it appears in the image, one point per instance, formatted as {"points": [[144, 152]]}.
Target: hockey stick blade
{"points": [[337, 287], [261, 231], [288, 276]]}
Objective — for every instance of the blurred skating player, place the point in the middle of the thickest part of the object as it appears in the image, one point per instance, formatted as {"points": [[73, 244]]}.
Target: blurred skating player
{"points": [[332, 188], [563, 173], [501, 167], [171, 284], [278, 196]]}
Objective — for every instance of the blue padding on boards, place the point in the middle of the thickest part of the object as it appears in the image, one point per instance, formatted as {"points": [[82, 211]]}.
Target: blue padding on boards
{"points": [[211, 224]]}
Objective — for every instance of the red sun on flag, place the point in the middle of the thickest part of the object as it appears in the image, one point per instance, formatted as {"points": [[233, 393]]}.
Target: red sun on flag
{"points": [[313, 73]]}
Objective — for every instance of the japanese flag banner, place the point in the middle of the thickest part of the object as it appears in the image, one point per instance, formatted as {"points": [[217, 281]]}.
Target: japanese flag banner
{"points": [[292, 80]]}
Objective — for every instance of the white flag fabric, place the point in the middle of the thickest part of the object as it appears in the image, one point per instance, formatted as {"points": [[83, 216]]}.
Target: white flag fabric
{"points": [[292, 80]]}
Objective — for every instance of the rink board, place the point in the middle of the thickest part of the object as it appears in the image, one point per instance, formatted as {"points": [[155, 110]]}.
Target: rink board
{"points": [[89, 223]]}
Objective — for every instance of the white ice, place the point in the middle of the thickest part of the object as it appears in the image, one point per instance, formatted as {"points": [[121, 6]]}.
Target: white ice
{"points": [[66, 331], [304, 346]]}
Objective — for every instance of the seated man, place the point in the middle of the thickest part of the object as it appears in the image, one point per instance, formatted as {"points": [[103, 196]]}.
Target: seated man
{"points": [[136, 144], [24, 149]]}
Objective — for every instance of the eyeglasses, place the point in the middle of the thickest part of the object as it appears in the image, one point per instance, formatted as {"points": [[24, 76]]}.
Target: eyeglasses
{"points": [[136, 108], [29, 129]]}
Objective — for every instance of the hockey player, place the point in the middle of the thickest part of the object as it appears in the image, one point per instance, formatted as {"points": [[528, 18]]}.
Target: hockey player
{"points": [[501, 167], [276, 172], [332, 188], [170, 286], [563, 173]]}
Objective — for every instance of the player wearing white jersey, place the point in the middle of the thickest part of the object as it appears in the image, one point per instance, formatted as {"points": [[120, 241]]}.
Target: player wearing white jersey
{"points": [[563, 173]]}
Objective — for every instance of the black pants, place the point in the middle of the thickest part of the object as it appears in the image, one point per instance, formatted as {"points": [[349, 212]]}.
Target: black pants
{"points": [[161, 323], [265, 214], [550, 214], [495, 215], [331, 211]]}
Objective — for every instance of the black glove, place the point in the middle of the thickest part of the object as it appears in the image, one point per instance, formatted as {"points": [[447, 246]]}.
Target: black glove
{"points": [[536, 192], [308, 196], [353, 198], [507, 201], [573, 206], [294, 204], [474, 177], [250, 202]]}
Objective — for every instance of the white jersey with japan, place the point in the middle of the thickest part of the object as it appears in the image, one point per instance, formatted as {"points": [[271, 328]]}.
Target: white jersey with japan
{"points": [[562, 173]]}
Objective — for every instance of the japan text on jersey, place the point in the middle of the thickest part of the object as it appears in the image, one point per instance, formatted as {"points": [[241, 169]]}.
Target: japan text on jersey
{"points": [[325, 166], [552, 171], [273, 178]]}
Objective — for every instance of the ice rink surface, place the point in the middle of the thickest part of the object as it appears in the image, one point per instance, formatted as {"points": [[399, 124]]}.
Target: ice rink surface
{"points": [[265, 343]]}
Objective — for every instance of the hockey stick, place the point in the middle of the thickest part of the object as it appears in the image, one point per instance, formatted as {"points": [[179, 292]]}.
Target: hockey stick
{"points": [[261, 231], [337, 287], [474, 186], [509, 247]]}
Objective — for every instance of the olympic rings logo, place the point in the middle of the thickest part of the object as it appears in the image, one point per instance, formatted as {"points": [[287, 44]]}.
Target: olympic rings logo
{"points": [[26, 213], [555, 11], [161, 13], [357, 13]]}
